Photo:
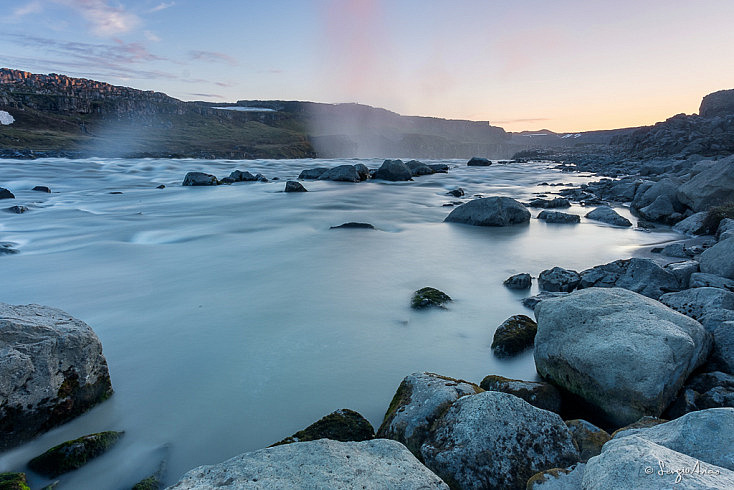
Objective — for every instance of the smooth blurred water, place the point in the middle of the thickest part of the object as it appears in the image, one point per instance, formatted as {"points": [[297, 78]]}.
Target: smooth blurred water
{"points": [[232, 316]]}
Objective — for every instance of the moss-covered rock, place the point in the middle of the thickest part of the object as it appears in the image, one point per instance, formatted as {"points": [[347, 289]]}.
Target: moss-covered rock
{"points": [[72, 455], [539, 394], [342, 425], [427, 297], [150, 483], [642, 423], [13, 481], [588, 437], [516, 334]]}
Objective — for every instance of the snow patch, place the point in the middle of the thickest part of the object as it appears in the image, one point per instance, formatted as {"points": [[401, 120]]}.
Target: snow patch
{"points": [[6, 118]]}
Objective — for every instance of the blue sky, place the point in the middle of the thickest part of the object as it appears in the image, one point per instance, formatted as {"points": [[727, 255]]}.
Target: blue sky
{"points": [[566, 65]]}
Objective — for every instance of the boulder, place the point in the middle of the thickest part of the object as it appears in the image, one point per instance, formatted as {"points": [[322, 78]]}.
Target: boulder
{"points": [[518, 281], [537, 393], [72, 455], [362, 171], [703, 280], [722, 355], [634, 462], [533, 301], [643, 422], [726, 226], [514, 336], [240, 176], [294, 186], [623, 190], [703, 391], [393, 170], [17, 209], [496, 440], [646, 195], [719, 259], [711, 187], [458, 192], [342, 425], [375, 464], [677, 250], [354, 225], [692, 225], [624, 354], [341, 173], [419, 168], [558, 478], [199, 179], [639, 275], [419, 400], [428, 297], [558, 279], [559, 217], [13, 481], [51, 370], [312, 173], [719, 103], [683, 271], [558, 202], [6, 194], [479, 162], [588, 437], [661, 210], [6, 248], [607, 215], [41, 188], [698, 302], [490, 211], [439, 168]]}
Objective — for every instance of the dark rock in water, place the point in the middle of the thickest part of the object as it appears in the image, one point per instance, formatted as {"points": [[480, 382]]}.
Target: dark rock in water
{"points": [[353, 224], [677, 250], [458, 192], [312, 173], [419, 168], [639, 275], [226, 181], [532, 301], [156, 480], [276, 178], [609, 216], [558, 202], [518, 281], [538, 394], [558, 279], [7, 249], [17, 209], [260, 178], [6, 194], [418, 401], [53, 367], [514, 336], [41, 188], [479, 162], [13, 481], [490, 211], [199, 179], [162, 186], [496, 440], [342, 425], [558, 217], [240, 176], [588, 437], [294, 186], [427, 297], [341, 173], [72, 455], [116, 192], [362, 171], [393, 170], [439, 168]]}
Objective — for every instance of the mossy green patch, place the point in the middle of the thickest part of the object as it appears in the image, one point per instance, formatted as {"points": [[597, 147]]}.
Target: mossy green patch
{"points": [[401, 398], [150, 483], [72, 455], [516, 334], [427, 297], [714, 216], [13, 481], [343, 425]]}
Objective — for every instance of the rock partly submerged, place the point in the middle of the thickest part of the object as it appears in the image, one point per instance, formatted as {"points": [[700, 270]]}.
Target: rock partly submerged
{"points": [[51, 370], [518, 281], [72, 455], [294, 186], [375, 464], [393, 170], [513, 336], [607, 215], [199, 179], [558, 217], [642, 276], [341, 425], [490, 211], [429, 297]]}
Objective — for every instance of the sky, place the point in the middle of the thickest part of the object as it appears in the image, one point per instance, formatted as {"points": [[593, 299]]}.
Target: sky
{"points": [[564, 65]]}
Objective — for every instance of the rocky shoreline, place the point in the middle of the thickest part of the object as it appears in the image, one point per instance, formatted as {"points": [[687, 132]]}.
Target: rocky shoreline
{"points": [[637, 361]]}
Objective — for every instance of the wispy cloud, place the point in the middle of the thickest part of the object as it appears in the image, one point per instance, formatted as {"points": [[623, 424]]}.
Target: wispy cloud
{"points": [[151, 36], [34, 7], [212, 57], [161, 6], [105, 20], [207, 96]]}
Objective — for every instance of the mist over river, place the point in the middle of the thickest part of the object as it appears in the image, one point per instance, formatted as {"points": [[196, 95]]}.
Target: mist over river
{"points": [[232, 316]]}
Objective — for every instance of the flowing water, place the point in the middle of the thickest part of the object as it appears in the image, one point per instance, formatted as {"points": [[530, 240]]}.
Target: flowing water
{"points": [[232, 316]]}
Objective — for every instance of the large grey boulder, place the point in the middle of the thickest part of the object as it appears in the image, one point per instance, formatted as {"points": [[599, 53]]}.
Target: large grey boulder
{"points": [[699, 302], [719, 259], [362, 171], [642, 276], [707, 435], [692, 225], [495, 440], [419, 168], [393, 170], [647, 195], [660, 210], [725, 229], [607, 215], [704, 280], [623, 353], [312, 173], [419, 400], [490, 211], [199, 179], [51, 370], [683, 271], [634, 462], [558, 279], [375, 464], [722, 356], [341, 173], [711, 187]]}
